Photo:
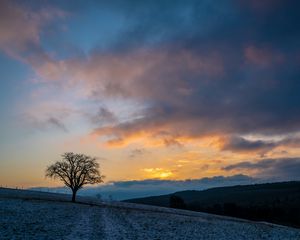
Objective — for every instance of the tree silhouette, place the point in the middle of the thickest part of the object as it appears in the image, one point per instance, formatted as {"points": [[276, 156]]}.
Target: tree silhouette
{"points": [[75, 170]]}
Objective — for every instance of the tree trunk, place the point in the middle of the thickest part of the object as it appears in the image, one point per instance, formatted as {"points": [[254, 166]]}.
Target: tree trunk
{"points": [[74, 196]]}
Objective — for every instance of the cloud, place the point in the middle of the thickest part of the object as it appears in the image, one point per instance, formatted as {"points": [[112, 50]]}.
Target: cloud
{"points": [[45, 116], [240, 144], [21, 27], [198, 68], [44, 124], [137, 153], [57, 123], [262, 57], [212, 83], [279, 169], [266, 163], [189, 183], [104, 117]]}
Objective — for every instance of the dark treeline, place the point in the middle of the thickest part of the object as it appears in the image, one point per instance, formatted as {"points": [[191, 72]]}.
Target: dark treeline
{"points": [[274, 202], [275, 212]]}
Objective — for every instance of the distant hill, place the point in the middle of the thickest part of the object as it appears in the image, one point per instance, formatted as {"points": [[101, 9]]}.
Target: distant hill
{"points": [[273, 202]]}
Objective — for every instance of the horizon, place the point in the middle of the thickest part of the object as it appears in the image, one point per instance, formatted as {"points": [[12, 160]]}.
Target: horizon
{"points": [[129, 190], [203, 90]]}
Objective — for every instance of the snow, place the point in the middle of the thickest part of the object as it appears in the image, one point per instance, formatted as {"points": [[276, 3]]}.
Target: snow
{"points": [[36, 215]]}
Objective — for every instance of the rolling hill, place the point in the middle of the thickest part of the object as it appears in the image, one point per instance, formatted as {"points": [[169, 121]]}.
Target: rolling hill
{"points": [[273, 202], [40, 215]]}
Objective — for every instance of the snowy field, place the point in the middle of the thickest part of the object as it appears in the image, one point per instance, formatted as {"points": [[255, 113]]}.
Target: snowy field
{"points": [[36, 215]]}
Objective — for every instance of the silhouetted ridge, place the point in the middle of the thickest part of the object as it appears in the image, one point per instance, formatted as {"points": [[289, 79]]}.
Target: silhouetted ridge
{"points": [[272, 202]]}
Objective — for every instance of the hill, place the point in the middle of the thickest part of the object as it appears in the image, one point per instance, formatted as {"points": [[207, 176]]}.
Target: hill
{"points": [[274, 202], [38, 215]]}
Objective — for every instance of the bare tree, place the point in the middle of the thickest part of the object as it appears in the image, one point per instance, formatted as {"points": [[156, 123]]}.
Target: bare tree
{"points": [[75, 170]]}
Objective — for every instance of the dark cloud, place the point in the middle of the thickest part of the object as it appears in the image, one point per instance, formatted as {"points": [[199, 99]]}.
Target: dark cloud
{"points": [[279, 169], [240, 144], [291, 142], [263, 164], [199, 67], [198, 183], [104, 116], [45, 122], [138, 152], [56, 123], [246, 74], [172, 142]]}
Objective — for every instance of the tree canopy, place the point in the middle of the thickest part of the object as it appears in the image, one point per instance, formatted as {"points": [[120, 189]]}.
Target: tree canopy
{"points": [[75, 171]]}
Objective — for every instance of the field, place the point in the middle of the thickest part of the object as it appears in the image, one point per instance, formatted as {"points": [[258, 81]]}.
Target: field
{"points": [[35, 215]]}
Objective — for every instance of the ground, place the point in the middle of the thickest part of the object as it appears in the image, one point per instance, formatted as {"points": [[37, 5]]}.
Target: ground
{"points": [[32, 215]]}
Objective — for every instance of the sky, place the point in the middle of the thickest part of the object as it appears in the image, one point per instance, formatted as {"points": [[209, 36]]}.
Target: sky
{"points": [[156, 90]]}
